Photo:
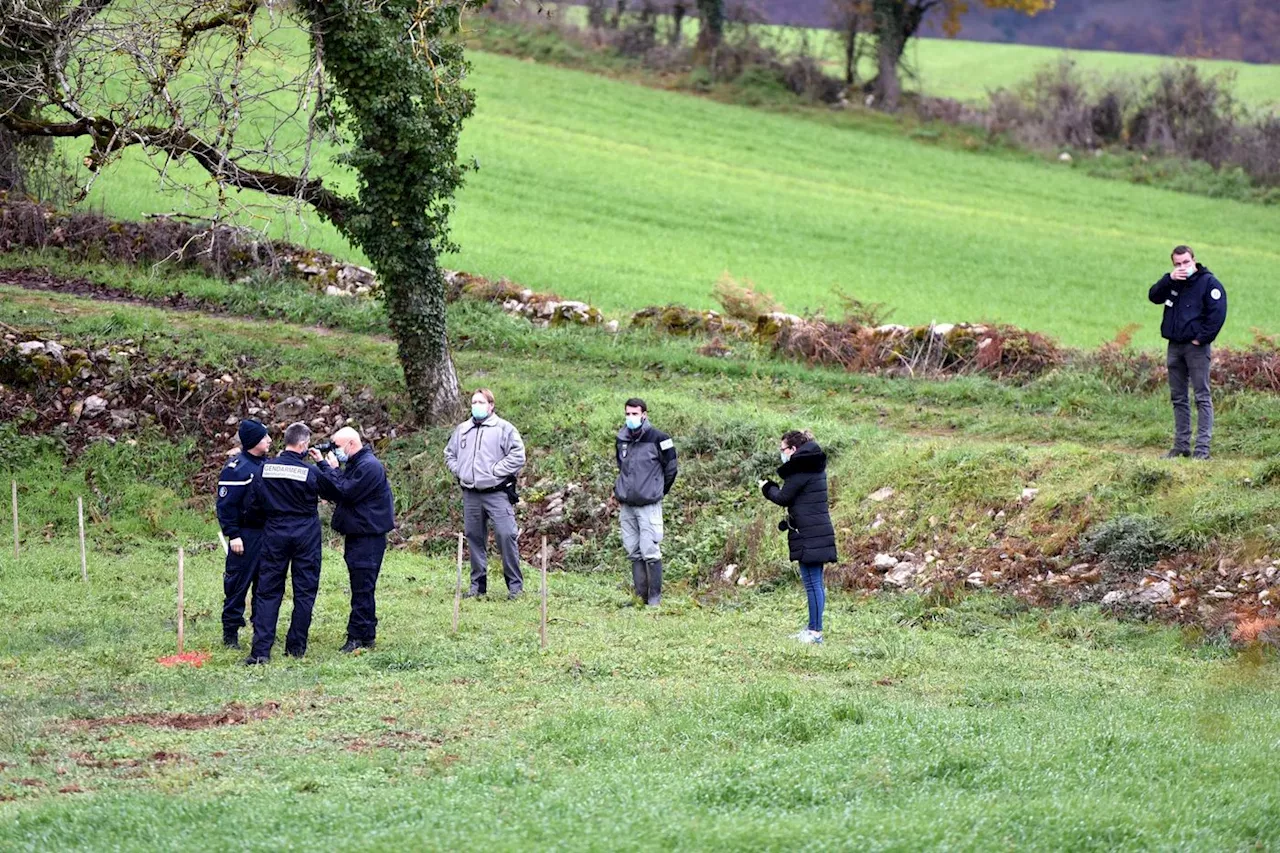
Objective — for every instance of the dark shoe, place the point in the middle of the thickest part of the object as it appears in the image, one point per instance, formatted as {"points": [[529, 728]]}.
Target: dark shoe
{"points": [[231, 639], [1203, 457], [254, 661], [473, 593], [514, 594], [654, 597], [1174, 454], [640, 579], [295, 653], [355, 645]]}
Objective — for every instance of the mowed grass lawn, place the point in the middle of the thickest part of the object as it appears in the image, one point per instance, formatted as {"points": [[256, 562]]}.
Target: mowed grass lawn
{"points": [[701, 727], [626, 196]]}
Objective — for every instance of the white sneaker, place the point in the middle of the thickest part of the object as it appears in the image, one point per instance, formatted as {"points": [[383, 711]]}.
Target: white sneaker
{"points": [[811, 637], [802, 636]]}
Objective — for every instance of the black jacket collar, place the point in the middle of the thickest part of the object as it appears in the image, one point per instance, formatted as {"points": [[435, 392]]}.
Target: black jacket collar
{"points": [[808, 459]]}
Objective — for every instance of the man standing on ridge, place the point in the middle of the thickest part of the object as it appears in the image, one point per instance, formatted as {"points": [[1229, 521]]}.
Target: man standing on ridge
{"points": [[646, 459], [1195, 307], [288, 496], [486, 454], [242, 529], [364, 513]]}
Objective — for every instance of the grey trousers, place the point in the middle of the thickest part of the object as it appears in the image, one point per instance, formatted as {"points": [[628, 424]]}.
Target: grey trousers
{"points": [[479, 510], [1189, 368], [642, 531]]}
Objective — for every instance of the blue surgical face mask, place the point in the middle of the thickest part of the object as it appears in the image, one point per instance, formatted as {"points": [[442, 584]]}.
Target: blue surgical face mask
{"points": [[340, 454], [634, 421], [479, 411]]}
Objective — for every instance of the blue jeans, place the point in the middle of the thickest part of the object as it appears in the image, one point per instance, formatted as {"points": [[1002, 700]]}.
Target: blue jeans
{"points": [[811, 574]]}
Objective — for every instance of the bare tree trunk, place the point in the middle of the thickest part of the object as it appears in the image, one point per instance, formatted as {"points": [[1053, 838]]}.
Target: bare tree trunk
{"points": [[678, 11], [888, 86], [711, 25], [851, 52]]}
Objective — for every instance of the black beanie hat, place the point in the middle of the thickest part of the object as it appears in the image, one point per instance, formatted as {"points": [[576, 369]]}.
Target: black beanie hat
{"points": [[251, 432]]}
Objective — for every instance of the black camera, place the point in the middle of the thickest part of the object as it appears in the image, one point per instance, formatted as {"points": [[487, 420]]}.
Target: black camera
{"points": [[325, 447]]}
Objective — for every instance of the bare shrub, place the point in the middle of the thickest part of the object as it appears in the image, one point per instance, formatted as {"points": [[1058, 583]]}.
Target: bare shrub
{"points": [[741, 300]]}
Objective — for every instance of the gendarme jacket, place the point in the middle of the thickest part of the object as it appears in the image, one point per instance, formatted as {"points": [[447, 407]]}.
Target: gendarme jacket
{"points": [[484, 455], [1194, 309]]}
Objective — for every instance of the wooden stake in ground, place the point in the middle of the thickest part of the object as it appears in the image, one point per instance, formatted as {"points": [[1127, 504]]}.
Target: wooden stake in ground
{"points": [[14, 483], [457, 592], [181, 599], [542, 631], [84, 566]]}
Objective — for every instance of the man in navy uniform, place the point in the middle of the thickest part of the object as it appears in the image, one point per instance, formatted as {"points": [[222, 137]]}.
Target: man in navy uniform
{"points": [[364, 512], [287, 495], [1195, 307], [242, 528]]}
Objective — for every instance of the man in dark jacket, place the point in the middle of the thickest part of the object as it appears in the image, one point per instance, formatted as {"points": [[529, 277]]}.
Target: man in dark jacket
{"points": [[1195, 307], [364, 512], [646, 459], [811, 538], [287, 495], [242, 529]]}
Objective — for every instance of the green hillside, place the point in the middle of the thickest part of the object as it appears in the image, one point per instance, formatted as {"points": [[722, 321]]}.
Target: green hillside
{"points": [[625, 196], [953, 717]]}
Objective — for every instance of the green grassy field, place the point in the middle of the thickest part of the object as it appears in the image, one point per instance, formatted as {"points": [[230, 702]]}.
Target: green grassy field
{"points": [[961, 722], [699, 728], [625, 196]]}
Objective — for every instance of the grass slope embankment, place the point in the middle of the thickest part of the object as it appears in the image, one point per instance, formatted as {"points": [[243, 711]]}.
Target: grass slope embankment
{"points": [[924, 721], [625, 196]]}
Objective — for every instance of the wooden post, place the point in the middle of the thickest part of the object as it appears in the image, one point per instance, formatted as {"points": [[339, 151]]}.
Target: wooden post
{"points": [[457, 591], [84, 566], [181, 600], [542, 632], [226, 548], [14, 483]]}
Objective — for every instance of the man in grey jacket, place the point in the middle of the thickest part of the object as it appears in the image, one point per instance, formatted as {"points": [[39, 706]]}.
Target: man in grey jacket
{"points": [[646, 471], [486, 454]]}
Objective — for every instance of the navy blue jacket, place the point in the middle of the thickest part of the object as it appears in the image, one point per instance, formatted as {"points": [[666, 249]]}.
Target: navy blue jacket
{"points": [[811, 538], [363, 505], [1194, 310], [647, 465], [287, 492], [233, 494]]}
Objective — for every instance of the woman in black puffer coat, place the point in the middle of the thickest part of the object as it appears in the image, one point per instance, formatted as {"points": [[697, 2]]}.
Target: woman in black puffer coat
{"points": [[810, 534]]}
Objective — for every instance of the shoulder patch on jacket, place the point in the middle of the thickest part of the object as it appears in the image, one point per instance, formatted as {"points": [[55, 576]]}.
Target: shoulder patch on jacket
{"points": [[284, 472], [666, 445], [1216, 293]]}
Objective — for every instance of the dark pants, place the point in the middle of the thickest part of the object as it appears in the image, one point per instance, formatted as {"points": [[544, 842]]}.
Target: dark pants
{"points": [[1189, 368], [479, 510], [364, 561], [299, 545], [811, 574], [239, 577]]}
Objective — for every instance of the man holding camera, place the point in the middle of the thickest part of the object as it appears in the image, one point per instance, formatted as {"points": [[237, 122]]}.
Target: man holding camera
{"points": [[287, 494], [486, 454], [646, 458], [364, 513], [242, 529], [1195, 307]]}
